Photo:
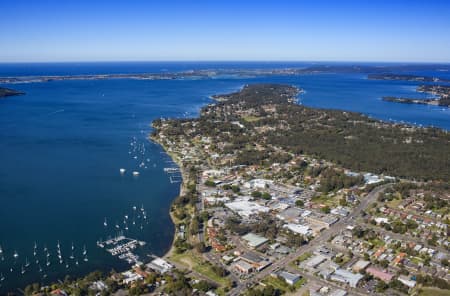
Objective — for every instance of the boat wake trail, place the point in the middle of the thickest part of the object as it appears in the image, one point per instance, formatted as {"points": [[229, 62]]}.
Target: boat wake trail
{"points": [[54, 112]]}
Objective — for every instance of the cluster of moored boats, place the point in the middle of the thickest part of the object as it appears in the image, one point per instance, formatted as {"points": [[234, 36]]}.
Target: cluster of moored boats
{"points": [[137, 150], [137, 218], [41, 260]]}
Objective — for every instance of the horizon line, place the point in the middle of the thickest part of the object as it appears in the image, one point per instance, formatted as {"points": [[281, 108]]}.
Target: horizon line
{"points": [[226, 61]]}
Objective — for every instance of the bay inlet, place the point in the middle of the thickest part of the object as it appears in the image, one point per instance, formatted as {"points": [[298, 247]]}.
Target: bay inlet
{"points": [[63, 144]]}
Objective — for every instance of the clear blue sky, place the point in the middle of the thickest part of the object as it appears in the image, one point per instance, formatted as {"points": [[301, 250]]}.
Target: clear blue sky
{"points": [[319, 30]]}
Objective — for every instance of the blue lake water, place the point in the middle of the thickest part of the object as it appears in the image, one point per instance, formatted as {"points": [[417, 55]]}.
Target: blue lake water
{"points": [[62, 144]]}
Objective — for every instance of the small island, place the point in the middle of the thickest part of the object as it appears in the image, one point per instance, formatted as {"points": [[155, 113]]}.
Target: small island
{"points": [[406, 77], [441, 91], [7, 92], [412, 101]]}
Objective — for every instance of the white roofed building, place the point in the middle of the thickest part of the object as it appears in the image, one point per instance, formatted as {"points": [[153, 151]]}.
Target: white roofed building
{"points": [[298, 228], [246, 208], [258, 184]]}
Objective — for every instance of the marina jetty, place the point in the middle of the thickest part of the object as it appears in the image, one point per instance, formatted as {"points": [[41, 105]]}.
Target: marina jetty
{"points": [[122, 247]]}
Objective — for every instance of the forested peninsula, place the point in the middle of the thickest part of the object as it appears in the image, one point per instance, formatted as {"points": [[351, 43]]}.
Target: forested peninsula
{"points": [[7, 92], [262, 123]]}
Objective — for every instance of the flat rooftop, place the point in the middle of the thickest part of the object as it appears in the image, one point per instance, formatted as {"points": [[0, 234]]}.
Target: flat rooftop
{"points": [[254, 240]]}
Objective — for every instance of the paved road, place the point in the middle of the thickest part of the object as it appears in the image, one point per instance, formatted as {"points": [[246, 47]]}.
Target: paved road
{"points": [[322, 238]]}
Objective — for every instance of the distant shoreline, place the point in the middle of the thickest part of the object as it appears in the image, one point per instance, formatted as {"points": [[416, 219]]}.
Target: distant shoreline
{"points": [[373, 72], [407, 77], [210, 73]]}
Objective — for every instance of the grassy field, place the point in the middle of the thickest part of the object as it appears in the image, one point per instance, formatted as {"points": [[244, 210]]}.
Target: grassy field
{"points": [[304, 256], [377, 242], [331, 201], [433, 292], [394, 203], [251, 118], [416, 260], [193, 262], [205, 269], [282, 285], [299, 259]]}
